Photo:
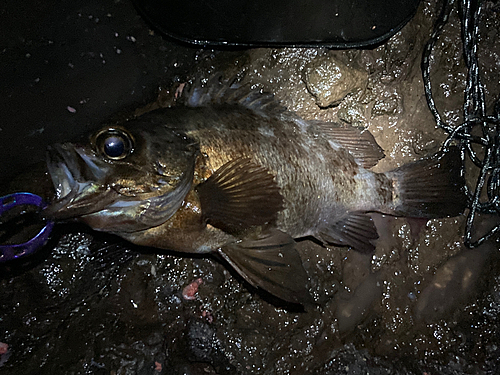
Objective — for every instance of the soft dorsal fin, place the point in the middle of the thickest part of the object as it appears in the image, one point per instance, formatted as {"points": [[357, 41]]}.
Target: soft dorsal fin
{"points": [[217, 90], [240, 195], [360, 143]]}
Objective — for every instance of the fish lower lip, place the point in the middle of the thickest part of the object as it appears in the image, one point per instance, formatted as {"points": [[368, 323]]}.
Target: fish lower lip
{"points": [[59, 166], [82, 200]]}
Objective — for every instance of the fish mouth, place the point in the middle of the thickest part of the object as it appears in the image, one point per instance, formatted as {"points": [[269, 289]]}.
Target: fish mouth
{"points": [[81, 193], [75, 177]]}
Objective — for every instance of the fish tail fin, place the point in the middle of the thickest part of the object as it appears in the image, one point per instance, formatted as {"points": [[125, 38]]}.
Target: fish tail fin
{"points": [[429, 188]]}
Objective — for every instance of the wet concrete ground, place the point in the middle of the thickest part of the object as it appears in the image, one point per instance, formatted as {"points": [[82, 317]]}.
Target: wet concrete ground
{"points": [[91, 303]]}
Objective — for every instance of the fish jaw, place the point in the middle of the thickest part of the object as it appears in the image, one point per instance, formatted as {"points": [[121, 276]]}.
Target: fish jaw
{"points": [[83, 193], [75, 177], [126, 215]]}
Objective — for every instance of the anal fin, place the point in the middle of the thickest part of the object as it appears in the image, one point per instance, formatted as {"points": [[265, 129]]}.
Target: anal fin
{"points": [[356, 229], [269, 260]]}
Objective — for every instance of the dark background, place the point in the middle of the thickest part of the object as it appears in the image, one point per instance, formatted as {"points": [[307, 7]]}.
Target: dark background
{"points": [[97, 57]]}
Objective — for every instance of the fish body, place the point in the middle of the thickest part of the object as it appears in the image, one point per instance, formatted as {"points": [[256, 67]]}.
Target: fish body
{"points": [[318, 183], [236, 174]]}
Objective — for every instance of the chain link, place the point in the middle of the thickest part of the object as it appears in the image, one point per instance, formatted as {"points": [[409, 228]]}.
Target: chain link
{"points": [[478, 129]]}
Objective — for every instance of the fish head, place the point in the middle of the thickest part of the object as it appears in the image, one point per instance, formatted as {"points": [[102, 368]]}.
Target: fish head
{"points": [[122, 179]]}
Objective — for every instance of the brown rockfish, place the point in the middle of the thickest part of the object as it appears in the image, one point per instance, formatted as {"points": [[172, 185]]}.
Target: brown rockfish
{"points": [[232, 172]]}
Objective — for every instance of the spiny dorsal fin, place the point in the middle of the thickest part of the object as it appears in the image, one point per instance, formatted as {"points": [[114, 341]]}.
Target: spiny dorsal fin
{"points": [[217, 90], [360, 143], [269, 260], [240, 195]]}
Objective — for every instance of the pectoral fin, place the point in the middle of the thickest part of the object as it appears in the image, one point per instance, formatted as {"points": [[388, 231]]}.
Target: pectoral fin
{"points": [[240, 195], [268, 260]]}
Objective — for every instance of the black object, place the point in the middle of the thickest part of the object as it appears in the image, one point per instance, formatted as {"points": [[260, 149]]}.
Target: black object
{"points": [[331, 23]]}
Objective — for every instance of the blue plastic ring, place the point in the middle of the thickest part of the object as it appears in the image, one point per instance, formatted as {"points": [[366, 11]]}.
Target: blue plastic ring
{"points": [[15, 251]]}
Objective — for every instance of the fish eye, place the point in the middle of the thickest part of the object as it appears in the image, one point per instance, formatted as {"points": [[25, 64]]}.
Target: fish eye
{"points": [[115, 144]]}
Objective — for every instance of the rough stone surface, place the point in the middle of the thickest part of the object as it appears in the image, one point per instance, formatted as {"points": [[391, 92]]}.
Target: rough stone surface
{"points": [[330, 80], [90, 303]]}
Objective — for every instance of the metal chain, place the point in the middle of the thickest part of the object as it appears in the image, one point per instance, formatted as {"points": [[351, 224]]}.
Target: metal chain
{"points": [[475, 119]]}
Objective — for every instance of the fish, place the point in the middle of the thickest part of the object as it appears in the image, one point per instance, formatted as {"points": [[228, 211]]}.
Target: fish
{"points": [[229, 171]]}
